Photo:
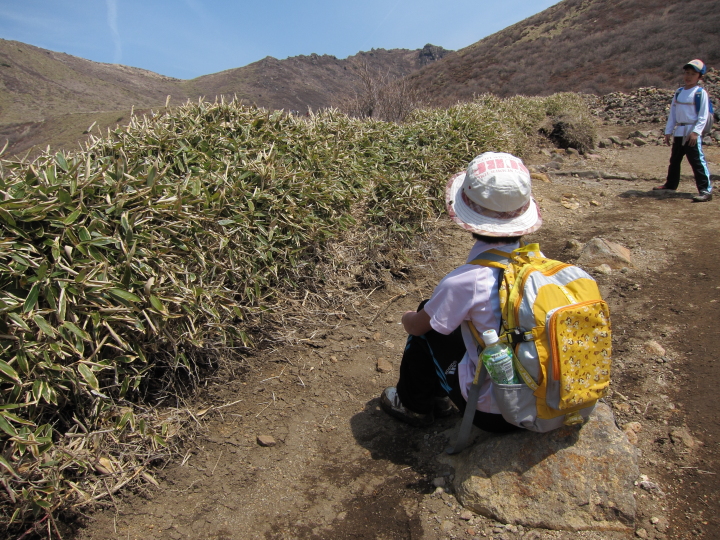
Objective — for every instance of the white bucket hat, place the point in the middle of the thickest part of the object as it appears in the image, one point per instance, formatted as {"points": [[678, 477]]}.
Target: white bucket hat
{"points": [[493, 197]]}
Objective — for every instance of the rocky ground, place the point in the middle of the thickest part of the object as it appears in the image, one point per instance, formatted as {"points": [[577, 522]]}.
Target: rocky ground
{"points": [[297, 447], [646, 105]]}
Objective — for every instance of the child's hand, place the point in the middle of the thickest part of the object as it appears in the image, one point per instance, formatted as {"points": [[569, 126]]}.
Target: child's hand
{"points": [[692, 141], [668, 139]]}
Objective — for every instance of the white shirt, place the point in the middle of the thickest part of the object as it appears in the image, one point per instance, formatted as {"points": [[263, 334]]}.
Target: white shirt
{"points": [[469, 293], [682, 111]]}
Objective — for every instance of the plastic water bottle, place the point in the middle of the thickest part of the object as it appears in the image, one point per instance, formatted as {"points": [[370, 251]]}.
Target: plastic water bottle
{"points": [[498, 359]]}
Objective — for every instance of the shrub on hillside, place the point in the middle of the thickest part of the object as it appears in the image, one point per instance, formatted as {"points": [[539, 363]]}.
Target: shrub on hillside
{"points": [[569, 123]]}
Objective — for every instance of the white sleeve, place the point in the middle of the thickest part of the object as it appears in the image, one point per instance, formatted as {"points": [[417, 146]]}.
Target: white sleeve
{"points": [[703, 113], [670, 126], [458, 297]]}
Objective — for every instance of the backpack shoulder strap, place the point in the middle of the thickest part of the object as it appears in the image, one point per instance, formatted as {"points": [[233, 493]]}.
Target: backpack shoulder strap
{"points": [[492, 258], [495, 258], [698, 98]]}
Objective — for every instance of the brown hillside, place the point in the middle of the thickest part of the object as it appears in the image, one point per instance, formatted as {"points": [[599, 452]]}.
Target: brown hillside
{"points": [[36, 84], [592, 46], [51, 98], [313, 81]]}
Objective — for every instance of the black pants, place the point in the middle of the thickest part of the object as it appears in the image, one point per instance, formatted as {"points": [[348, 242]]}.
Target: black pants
{"points": [[429, 370], [695, 157]]}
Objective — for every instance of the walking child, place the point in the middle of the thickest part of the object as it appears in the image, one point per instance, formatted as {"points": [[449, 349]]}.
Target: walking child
{"points": [[684, 131]]}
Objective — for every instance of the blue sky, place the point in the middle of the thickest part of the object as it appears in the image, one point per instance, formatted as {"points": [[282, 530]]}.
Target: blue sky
{"points": [[189, 38]]}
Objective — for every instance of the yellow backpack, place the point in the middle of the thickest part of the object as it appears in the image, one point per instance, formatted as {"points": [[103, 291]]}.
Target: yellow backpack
{"points": [[557, 322]]}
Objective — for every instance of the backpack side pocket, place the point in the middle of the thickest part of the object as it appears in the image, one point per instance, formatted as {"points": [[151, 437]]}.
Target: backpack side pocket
{"points": [[580, 348]]}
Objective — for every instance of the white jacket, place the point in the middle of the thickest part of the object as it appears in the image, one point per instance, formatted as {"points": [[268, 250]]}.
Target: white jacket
{"points": [[684, 118]]}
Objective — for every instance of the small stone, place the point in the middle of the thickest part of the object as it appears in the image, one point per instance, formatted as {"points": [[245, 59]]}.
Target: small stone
{"points": [[631, 430], [641, 533], [439, 482], [570, 204], [662, 524], [682, 435], [600, 251], [574, 245], [383, 366], [594, 203], [466, 515], [470, 531], [447, 526], [376, 336], [540, 176], [438, 491], [333, 359], [603, 269], [651, 487], [654, 348], [266, 440]]}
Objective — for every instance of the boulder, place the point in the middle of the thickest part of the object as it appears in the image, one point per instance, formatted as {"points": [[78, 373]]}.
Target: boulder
{"points": [[605, 143], [573, 478], [600, 251]]}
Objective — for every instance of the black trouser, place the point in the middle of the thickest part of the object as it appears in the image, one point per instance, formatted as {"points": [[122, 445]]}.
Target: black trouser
{"points": [[429, 369], [695, 157]]}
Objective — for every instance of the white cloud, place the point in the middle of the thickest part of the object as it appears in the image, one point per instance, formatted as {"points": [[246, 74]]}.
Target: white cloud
{"points": [[112, 22]]}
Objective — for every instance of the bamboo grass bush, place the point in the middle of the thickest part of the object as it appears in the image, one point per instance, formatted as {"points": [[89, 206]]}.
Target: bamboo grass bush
{"points": [[130, 267]]}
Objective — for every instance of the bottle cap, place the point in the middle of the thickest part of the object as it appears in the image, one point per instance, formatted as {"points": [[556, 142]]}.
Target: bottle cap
{"points": [[490, 337]]}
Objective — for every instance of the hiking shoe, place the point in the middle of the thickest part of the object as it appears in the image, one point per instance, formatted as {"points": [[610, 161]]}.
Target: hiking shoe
{"points": [[703, 197], [663, 188], [390, 403], [443, 407]]}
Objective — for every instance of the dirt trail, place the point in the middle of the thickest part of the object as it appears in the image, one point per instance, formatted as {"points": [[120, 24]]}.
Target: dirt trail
{"points": [[342, 469]]}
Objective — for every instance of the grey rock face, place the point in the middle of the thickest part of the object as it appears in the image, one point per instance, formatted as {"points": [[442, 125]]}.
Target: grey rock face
{"points": [[574, 478]]}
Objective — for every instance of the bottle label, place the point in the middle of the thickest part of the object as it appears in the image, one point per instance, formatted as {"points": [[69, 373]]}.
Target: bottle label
{"points": [[500, 366]]}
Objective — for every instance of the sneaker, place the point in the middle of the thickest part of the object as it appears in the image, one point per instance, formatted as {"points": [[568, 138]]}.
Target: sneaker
{"points": [[390, 403], [443, 407], [703, 197], [663, 188]]}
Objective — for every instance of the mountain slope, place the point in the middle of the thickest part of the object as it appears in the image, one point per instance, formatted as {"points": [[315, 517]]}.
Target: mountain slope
{"points": [[36, 84], [593, 46], [313, 81], [51, 98]]}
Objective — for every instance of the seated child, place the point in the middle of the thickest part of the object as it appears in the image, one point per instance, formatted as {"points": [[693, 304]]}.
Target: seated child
{"points": [[492, 200]]}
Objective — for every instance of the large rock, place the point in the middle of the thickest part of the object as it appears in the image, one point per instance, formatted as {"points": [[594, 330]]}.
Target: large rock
{"points": [[600, 251], [574, 478]]}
